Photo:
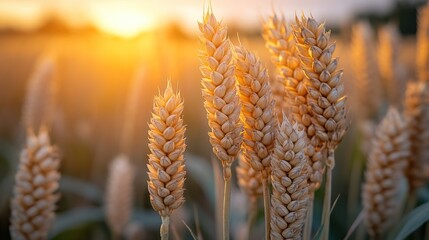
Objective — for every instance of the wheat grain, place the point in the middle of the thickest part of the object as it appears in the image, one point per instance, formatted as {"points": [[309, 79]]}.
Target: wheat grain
{"points": [[166, 162], [289, 180], [119, 194], [36, 183], [366, 81], [416, 111], [385, 169], [220, 92]]}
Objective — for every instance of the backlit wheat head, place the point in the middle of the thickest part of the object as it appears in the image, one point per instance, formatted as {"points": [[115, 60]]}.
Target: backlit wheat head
{"points": [[36, 184], [423, 44], [119, 194], [366, 81], [289, 179], [257, 111], [416, 111], [167, 145], [249, 180], [324, 85], [219, 91], [385, 169]]}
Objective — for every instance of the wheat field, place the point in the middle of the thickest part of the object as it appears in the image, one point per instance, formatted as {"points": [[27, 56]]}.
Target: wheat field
{"points": [[289, 131]]}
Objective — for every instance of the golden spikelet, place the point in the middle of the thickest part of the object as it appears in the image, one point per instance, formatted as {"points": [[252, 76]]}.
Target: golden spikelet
{"points": [[423, 44], [389, 42], [249, 180], [167, 145], [325, 88], [366, 82], [385, 170], [257, 111], [220, 92], [119, 194], [289, 179], [39, 99], [416, 111], [36, 183]]}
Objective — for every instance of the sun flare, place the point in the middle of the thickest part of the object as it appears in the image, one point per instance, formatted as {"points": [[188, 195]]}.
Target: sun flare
{"points": [[122, 19]]}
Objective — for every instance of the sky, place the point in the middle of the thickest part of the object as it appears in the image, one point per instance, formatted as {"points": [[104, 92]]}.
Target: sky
{"points": [[144, 14]]}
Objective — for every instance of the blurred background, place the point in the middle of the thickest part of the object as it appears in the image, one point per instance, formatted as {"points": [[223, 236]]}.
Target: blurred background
{"points": [[107, 53]]}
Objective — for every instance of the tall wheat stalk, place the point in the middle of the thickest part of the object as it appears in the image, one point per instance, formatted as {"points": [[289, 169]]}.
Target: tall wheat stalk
{"points": [[166, 162], [366, 81], [36, 184], [385, 169], [220, 100], [258, 117], [416, 111], [119, 195], [325, 98], [422, 59]]}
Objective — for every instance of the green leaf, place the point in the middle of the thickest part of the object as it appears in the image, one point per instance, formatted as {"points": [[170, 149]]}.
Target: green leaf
{"points": [[75, 218], [81, 188], [411, 222]]}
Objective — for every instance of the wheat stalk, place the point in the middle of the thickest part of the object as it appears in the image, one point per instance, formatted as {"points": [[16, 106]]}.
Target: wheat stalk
{"points": [[36, 183], [416, 111], [119, 194], [325, 98], [39, 99], [366, 82], [258, 117], [389, 42], [220, 100], [166, 162], [422, 59], [289, 180], [385, 170]]}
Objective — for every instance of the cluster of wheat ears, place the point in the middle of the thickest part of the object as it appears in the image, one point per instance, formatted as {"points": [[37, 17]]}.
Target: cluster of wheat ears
{"points": [[283, 130]]}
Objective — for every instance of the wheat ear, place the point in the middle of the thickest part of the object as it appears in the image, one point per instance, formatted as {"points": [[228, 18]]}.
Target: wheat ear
{"points": [[416, 111], [258, 117], [166, 162], [389, 44], [366, 81], [325, 98], [39, 99], [384, 172], [289, 180], [36, 183], [220, 100], [422, 58], [119, 194]]}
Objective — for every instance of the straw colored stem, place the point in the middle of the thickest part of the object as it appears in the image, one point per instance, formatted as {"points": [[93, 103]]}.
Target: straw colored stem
{"points": [[226, 202], [266, 190], [411, 202], [164, 227], [327, 199], [309, 219], [253, 212]]}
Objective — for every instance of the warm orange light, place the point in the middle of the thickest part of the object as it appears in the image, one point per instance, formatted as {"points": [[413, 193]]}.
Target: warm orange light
{"points": [[123, 19]]}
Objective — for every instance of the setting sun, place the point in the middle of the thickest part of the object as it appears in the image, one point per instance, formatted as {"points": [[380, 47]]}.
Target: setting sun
{"points": [[123, 19]]}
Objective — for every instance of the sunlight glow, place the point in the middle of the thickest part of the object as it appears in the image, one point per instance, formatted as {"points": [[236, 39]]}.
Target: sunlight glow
{"points": [[122, 19]]}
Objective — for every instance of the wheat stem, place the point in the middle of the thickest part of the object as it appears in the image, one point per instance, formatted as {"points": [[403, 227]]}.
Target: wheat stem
{"points": [[266, 191], [164, 227], [328, 189], [253, 212], [309, 218], [226, 200], [411, 202]]}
